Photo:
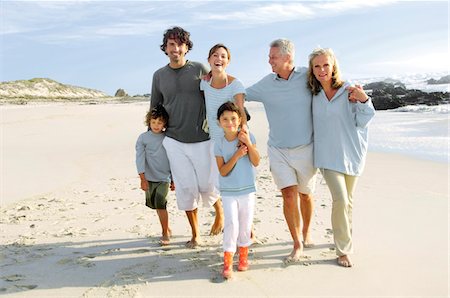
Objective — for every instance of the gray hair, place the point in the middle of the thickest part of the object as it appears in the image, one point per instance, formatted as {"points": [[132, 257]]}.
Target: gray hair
{"points": [[286, 47]]}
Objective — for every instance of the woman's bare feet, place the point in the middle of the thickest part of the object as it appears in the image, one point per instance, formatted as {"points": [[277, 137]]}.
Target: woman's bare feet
{"points": [[165, 240], [344, 261]]}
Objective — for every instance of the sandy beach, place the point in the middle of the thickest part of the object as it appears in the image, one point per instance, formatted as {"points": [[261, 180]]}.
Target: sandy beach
{"points": [[74, 224]]}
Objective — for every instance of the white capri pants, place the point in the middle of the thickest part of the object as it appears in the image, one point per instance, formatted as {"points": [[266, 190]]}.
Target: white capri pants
{"points": [[190, 164], [238, 212]]}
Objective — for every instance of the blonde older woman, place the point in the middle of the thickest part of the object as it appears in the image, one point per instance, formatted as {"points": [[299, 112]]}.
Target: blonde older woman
{"points": [[341, 114]]}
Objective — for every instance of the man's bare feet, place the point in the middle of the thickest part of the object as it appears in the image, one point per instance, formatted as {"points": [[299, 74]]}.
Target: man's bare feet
{"points": [[294, 256], [193, 243], [217, 226], [307, 240], [344, 261]]}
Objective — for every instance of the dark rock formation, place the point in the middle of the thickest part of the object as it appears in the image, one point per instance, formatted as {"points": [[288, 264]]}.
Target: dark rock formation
{"points": [[120, 93], [387, 96]]}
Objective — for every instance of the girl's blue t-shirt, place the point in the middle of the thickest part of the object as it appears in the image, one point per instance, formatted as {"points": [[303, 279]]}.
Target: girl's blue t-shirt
{"points": [[241, 179]]}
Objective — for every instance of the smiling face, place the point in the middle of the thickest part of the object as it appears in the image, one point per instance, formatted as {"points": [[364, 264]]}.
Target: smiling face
{"points": [[278, 61], [176, 50], [322, 68], [219, 60], [230, 122], [157, 125]]}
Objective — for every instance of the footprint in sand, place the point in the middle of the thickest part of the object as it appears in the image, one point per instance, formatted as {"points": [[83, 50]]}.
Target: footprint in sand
{"points": [[14, 277]]}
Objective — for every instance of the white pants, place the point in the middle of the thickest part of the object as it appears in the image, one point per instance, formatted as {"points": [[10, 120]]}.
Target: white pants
{"points": [[238, 212], [190, 164], [341, 188]]}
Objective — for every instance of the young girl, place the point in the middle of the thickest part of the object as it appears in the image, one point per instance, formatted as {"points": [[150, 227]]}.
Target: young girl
{"points": [[153, 167], [236, 157]]}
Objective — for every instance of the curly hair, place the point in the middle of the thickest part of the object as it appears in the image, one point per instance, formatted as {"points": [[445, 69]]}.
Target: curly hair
{"points": [[157, 112], [313, 84], [179, 34]]}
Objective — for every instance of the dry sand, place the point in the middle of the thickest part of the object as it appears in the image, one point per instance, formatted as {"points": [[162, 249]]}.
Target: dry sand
{"points": [[73, 220]]}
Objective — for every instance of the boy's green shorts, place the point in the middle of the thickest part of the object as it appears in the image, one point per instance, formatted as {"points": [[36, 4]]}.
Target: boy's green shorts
{"points": [[155, 196]]}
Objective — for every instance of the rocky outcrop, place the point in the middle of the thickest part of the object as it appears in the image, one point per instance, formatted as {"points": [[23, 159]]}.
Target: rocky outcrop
{"points": [[121, 93], [443, 80], [387, 96], [43, 88]]}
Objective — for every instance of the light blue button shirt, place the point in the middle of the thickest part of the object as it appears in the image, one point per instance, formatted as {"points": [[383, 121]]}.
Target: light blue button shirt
{"points": [[288, 108], [341, 132]]}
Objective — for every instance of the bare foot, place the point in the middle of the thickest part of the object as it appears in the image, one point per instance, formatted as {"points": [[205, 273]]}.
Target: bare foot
{"points": [[165, 240], [344, 261], [193, 243], [294, 256], [307, 241], [217, 227]]}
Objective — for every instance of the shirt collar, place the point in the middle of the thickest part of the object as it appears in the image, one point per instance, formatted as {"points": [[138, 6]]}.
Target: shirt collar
{"points": [[297, 70]]}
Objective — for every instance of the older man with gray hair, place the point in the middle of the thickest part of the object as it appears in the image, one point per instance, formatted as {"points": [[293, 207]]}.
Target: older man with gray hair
{"points": [[287, 102]]}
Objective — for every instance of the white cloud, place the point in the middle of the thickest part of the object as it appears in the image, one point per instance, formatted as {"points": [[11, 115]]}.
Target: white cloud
{"points": [[263, 14], [59, 21]]}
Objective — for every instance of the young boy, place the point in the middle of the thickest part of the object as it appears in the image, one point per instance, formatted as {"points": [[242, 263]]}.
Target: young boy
{"points": [[236, 157], [153, 167]]}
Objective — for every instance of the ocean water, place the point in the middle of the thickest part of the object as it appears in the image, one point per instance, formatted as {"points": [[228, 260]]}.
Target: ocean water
{"points": [[418, 131]]}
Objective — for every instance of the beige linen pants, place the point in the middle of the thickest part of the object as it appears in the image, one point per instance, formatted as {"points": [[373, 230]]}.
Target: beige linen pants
{"points": [[341, 188]]}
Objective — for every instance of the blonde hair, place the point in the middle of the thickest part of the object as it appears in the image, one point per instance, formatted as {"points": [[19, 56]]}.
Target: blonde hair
{"points": [[336, 82]]}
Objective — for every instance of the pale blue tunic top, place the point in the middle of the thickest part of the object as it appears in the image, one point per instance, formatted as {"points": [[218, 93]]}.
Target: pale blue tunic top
{"points": [[241, 179], [288, 108], [151, 157], [341, 132], [214, 98]]}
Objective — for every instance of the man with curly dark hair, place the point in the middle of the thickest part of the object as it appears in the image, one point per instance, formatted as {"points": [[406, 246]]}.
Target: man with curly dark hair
{"points": [[177, 87]]}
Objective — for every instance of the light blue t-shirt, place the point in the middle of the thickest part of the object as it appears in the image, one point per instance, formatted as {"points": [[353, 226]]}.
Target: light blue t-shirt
{"points": [[341, 132], [151, 157], [288, 108], [241, 179], [214, 98]]}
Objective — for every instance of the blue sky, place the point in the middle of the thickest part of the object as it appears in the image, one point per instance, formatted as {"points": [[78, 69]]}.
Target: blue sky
{"points": [[107, 45]]}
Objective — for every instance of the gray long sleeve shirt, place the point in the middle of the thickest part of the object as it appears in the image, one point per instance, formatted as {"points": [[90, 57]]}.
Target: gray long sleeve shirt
{"points": [[151, 157], [178, 90]]}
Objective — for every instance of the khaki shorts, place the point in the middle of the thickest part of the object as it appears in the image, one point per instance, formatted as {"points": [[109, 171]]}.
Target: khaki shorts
{"points": [[155, 196], [293, 166]]}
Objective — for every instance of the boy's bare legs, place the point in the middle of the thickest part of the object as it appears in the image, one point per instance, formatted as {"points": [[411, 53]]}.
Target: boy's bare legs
{"points": [[306, 208], [193, 222], [164, 220], [217, 226], [291, 212]]}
